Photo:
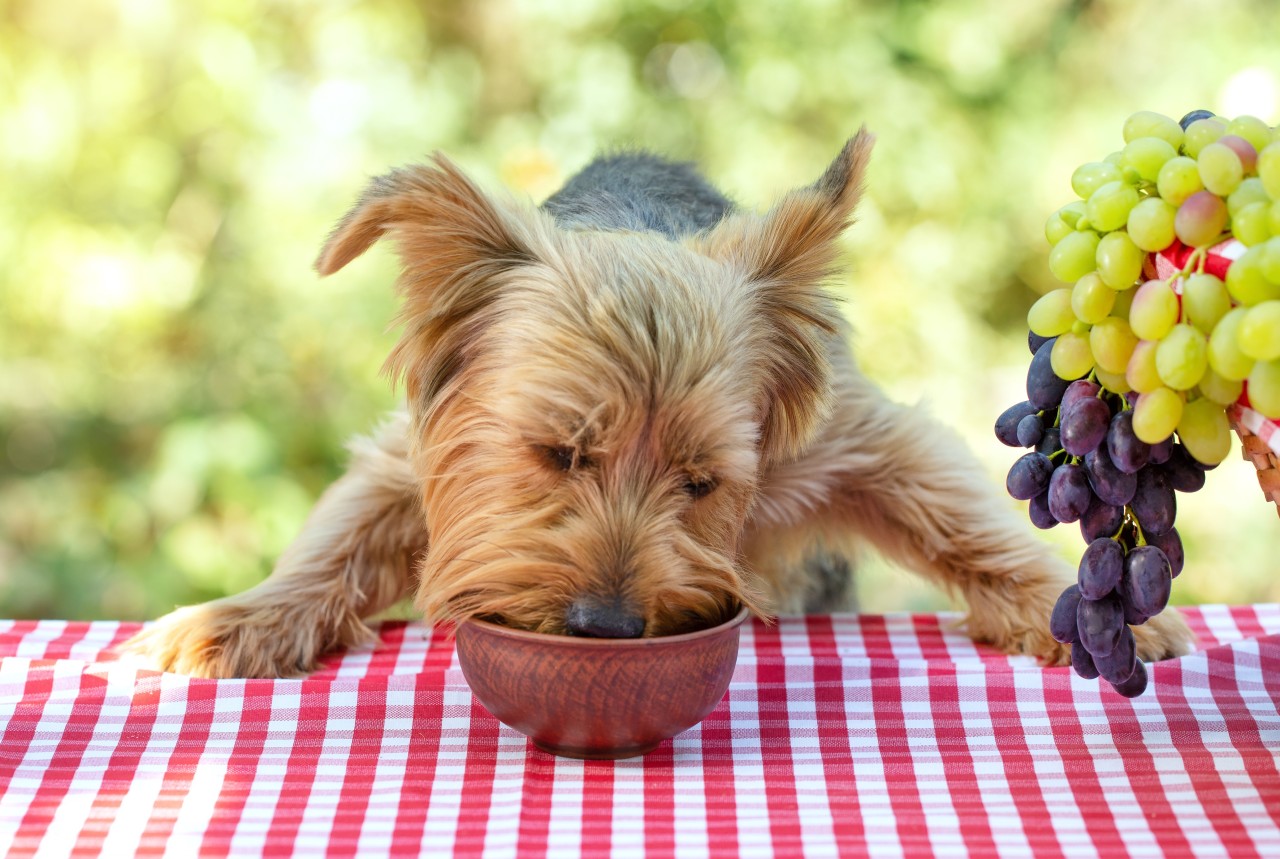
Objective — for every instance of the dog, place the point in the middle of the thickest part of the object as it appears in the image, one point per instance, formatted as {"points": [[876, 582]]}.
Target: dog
{"points": [[628, 412]]}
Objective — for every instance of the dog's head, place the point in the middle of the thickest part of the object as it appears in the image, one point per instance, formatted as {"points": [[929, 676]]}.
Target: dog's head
{"points": [[592, 410]]}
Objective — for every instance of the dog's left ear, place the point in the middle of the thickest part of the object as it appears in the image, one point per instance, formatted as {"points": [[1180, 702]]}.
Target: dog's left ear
{"points": [[786, 256], [454, 243]]}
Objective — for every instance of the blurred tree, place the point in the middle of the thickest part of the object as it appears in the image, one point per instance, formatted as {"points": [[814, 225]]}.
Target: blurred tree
{"points": [[175, 385]]}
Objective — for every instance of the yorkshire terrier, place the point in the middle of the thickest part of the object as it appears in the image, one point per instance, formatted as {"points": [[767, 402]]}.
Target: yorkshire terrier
{"points": [[629, 412]]}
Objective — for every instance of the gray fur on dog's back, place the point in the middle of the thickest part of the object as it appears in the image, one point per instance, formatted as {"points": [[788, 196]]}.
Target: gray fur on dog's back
{"points": [[638, 191]]}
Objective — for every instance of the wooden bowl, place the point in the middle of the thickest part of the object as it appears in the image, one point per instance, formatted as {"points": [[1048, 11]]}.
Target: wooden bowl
{"points": [[598, 698]]}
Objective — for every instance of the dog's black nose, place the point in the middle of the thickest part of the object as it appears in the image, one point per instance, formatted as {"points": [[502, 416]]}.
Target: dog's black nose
{"points": [[595, 619]]}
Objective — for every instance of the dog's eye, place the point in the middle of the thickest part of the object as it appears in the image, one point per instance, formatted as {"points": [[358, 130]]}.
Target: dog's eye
{"points": [[561, 458], [699, 487]]}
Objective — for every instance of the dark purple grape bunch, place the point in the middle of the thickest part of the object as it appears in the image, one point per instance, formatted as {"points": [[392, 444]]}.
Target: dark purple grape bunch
{"points": [[1086, 465]]}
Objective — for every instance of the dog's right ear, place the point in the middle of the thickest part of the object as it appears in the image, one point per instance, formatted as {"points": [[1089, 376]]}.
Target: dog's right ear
{"points": [[425, 208], [453, 242]]}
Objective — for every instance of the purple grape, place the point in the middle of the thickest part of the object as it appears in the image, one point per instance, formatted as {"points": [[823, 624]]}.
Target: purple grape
{"points": [[1147, 580], [1038, 511], [1062, 623], [1127, 451], [1069, 493], [1171, 544], [1051, 442], [1078, 390], [1044, 388], [1035, 341], [1132, 616], [1100, 520], [1135, 685], [1082, 662], [1030, 430], [1194, 116], [1084, 425], [1100, 622], [1153, 502], [1160, 452], [1184, 473], [1101, 566], [1007, 423], [1109, 483], [1029, 476], [1118, 665]]}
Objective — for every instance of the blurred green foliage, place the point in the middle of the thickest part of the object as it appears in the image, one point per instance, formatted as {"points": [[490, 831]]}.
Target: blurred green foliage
{"points": [[176, 384]]}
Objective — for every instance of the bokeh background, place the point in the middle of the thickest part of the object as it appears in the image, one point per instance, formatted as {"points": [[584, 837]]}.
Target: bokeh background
{"points": [[176, 384]]}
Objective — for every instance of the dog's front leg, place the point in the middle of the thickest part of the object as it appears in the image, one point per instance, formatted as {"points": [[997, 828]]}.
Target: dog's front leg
{"points": [[354, 557], [906, 485]]}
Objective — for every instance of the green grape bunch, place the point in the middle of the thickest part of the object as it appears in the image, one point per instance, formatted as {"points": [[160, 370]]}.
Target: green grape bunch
{"points": [[1134, 372]]}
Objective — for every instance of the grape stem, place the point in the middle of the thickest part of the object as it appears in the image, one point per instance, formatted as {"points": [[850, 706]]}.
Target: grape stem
{"points": [[1195, 262], [1140, 538]]}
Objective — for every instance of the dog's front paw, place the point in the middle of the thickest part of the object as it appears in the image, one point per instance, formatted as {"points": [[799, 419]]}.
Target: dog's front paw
{"points": [[224, 639], [1012, 636]]}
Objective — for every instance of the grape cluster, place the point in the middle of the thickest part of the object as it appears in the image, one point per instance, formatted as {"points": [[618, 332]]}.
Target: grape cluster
{"points": [[1132, 375], [1087, 465], [1189, 344]]}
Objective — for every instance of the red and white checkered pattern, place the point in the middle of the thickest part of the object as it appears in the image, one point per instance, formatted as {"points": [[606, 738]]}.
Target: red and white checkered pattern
{"points": [[1167, 264], [840, 735]]}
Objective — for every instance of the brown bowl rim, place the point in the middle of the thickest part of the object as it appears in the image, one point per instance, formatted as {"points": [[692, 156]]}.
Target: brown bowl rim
{"points": [[584, 641]]}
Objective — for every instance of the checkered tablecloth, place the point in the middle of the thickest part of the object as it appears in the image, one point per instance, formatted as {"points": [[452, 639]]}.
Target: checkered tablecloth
{"points": [[840, 735]]}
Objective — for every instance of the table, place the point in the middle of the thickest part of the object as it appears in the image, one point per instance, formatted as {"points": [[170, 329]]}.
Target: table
{"points": [[840, 735]]}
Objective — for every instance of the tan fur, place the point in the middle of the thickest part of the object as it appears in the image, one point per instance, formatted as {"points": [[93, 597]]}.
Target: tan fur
{"points": [[647, 367]]}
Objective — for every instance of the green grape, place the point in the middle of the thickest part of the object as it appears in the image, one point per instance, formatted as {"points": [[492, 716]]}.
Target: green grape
{"points": [[1070, 357], [1273, 217], [1154, 311], [1072, 213], [1264, 388], [1147, 123], [1250, 224], [1051, 315], [1091, 299], [1205, 431], [1119, 260], [1141, 373], [1251, 129], [1124, 300], [1156, 415], [1268, 168], [1201, 218], [1114, 382], [1116, 158], [1246, 281], [1269, 260], [1225, 356], [1220, 390], [1179, 178], [1201, 133], [1243, 149], [1073, 256], [1182, 356], [1056, 229], [1147, 155], [1204, 300], [1111, 341], [1108, 207], [1089, 177], [1151, 224], [1220, 168], [1249, 190], [1259, 334]]}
